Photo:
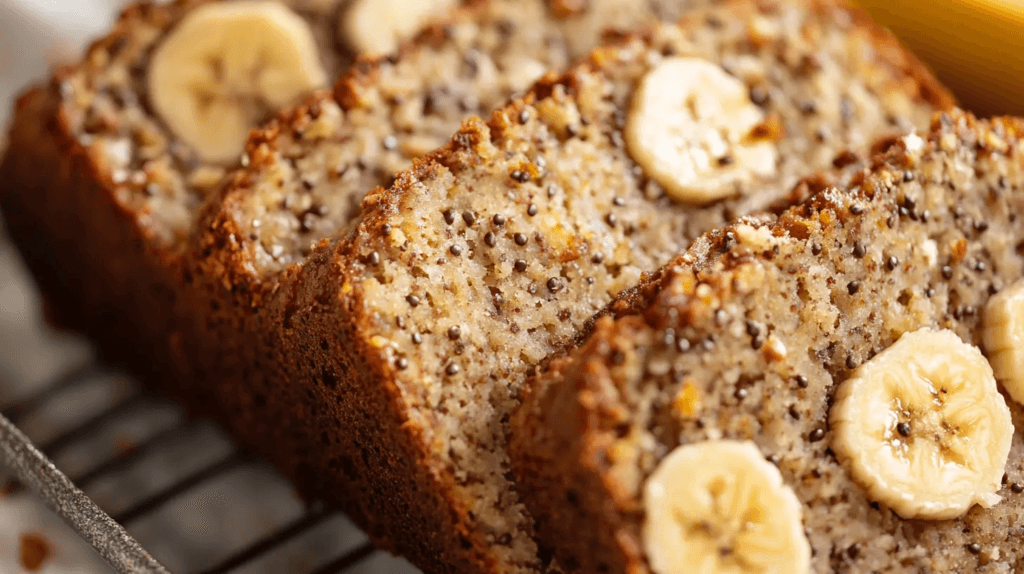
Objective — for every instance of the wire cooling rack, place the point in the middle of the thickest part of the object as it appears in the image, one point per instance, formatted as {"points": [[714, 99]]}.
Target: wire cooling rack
{"points": [[106, 533], [122, 466]]}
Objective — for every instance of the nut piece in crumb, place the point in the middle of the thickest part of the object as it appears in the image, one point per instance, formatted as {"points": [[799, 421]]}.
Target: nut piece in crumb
{"points": [[759, 237], [922, 427], [688, 127], [225, 67], [565, 8], [719, 506], [687, 401], [1003, 338], [774, 349], [378, 27], [206, 178]]}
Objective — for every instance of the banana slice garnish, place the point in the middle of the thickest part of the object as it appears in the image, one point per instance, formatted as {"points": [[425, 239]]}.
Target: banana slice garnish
{"points": [[922, 427], [225, 67], [1003, 337], [688, 128], [720, 507], [378, 27]]}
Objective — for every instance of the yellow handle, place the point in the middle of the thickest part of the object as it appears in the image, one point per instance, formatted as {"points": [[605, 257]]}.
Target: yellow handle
{"points": [[976, 47]]}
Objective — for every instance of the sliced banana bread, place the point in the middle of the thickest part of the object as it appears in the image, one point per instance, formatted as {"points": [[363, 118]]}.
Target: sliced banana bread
{"points": [[842, 343], [110, 158], [328, 153], [109, 161], [397, 341], [140, 131]]}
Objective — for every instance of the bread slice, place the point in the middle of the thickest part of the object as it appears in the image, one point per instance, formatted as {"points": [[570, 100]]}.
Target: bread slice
{"points": [[748, 334], [377, 359]]}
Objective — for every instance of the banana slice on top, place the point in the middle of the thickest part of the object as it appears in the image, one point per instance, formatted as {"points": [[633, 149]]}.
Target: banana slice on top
{"points": [[1003, 336], [688, 127], [720, 507], [225, 67], [378, 27], [922, 427]]}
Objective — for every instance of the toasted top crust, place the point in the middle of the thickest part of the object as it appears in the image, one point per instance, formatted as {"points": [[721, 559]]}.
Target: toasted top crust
{"points": [[761, 322]]}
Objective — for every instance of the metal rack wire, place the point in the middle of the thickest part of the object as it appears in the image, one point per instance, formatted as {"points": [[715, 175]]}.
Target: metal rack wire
{"points": [[106, 532]]}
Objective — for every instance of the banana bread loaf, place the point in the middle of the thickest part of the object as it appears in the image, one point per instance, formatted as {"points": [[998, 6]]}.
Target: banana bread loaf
{"points": [[842, 343], [375, 353]]}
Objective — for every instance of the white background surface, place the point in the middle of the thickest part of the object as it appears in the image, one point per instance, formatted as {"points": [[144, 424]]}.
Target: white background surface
{"points": [[228, 513], [35, 33]]}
